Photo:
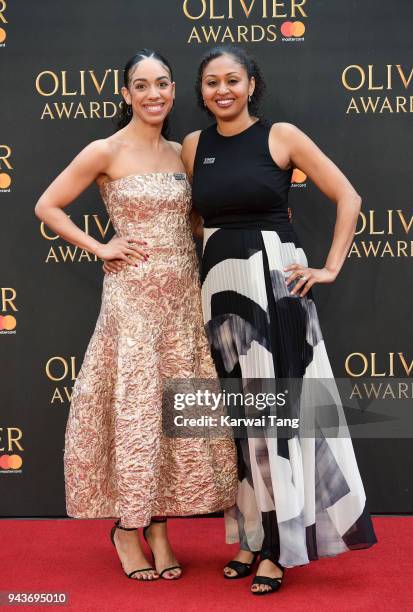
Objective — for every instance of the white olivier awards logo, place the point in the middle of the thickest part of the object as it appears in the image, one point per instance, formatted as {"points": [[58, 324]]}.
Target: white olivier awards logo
{"points": [[71, 94], [383, 234], [245, 21], [91, 224], [5, 168], [62, 372], [378, 90]]}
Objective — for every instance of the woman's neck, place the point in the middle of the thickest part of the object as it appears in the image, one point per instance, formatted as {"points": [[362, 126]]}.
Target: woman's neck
{"points": [[150, 135], [234, 126]]}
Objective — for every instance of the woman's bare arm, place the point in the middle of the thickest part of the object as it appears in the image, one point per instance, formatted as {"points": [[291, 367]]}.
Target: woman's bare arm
{"points": [[92, 161], [188, 152], [296, 149]]}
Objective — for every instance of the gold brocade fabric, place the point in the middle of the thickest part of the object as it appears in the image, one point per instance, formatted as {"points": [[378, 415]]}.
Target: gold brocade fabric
{"points": [[117, 461]]}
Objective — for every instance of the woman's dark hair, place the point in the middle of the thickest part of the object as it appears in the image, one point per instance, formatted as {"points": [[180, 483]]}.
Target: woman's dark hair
{"points": [[242, 57], [124, 114]]}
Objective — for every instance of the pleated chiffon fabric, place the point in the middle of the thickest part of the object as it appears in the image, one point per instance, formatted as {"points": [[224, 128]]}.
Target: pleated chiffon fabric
{"points": [[307, 491]]}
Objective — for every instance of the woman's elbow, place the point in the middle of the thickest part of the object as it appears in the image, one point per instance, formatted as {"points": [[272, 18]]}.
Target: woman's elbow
{"points": [[40, 208], [357, 200], [354, 201]]}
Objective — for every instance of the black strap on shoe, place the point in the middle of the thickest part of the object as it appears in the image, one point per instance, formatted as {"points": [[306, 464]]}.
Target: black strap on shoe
{"points": [[273, 583], [243, 569], [168, 569], [158, 519], [145, 569], [119, 526], [154, 519]]}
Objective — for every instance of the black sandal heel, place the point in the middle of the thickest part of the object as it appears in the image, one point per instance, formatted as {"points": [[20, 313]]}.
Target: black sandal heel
{"points": [[273, 583], [243, 569], [167, 569], [131, 574]]}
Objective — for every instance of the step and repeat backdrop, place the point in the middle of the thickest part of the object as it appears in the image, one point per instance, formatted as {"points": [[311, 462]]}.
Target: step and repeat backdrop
{"points": [[341, 71]]}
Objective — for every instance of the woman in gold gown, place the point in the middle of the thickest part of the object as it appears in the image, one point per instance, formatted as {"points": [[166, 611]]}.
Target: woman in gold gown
{"points": [[117, 461]]}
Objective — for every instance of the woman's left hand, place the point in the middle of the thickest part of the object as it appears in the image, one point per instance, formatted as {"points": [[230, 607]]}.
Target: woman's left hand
{"points": [[307, 278], [111, 266]]}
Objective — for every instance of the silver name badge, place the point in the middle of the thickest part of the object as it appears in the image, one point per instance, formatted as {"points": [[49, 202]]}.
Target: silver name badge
{"points": [[209, 160], [179, 176]]}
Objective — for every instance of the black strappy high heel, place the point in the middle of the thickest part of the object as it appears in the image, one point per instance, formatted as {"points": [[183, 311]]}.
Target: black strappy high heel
{"points": [[243, 569], [167, 569], [131, 574], [273, 583]]}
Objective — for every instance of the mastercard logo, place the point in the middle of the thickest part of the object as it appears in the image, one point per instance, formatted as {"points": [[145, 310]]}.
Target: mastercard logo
{"points": [[10, 462], [292, 29], [5, 180], [3, 35], [298, 176], [7, 322]]}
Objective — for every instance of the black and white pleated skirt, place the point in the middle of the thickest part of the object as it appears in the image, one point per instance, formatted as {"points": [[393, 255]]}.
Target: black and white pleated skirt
{"points": [[306, 491]]}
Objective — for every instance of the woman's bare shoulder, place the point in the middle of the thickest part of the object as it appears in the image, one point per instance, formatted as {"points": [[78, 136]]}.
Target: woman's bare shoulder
{"points": [[191, 139], [283, 129], [176, 145]]}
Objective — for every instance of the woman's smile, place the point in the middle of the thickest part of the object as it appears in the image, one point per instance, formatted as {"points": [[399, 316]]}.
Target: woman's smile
{"points": [[224, 102], [154, 109]]}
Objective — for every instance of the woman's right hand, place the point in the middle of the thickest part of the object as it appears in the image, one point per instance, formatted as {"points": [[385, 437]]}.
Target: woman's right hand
{"points": [[122, 249]]}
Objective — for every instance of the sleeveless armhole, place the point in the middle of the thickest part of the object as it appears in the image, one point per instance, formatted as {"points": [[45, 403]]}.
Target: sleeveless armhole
{"points": [[269, 151], [197, 152]]}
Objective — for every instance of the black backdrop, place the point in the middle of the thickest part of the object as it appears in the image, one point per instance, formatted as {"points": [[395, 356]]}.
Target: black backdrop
{"points": [[344, 81]]}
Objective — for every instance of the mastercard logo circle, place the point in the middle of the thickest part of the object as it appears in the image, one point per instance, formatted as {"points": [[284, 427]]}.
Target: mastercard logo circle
{"points": [[292, 28], [10, 462], [5, 180], [7, 322], [298, 176], [3, 35]]}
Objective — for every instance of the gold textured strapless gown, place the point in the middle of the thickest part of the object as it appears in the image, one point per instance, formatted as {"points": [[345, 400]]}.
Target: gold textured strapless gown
{"points": [[117, 461]]}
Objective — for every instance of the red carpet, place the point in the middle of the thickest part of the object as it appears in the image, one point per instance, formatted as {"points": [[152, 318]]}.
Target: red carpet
{"points": [[77, 557]]}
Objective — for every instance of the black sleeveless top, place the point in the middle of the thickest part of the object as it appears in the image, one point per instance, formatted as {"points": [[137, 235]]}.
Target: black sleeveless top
{"points": [[237, 184]]}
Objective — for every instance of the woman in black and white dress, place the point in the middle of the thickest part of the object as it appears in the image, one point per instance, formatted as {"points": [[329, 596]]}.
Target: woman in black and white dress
{"points": [[299, 498]]}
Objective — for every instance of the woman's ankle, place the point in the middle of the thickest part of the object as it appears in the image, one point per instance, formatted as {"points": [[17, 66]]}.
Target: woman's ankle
{"points": [[157, 531]]}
